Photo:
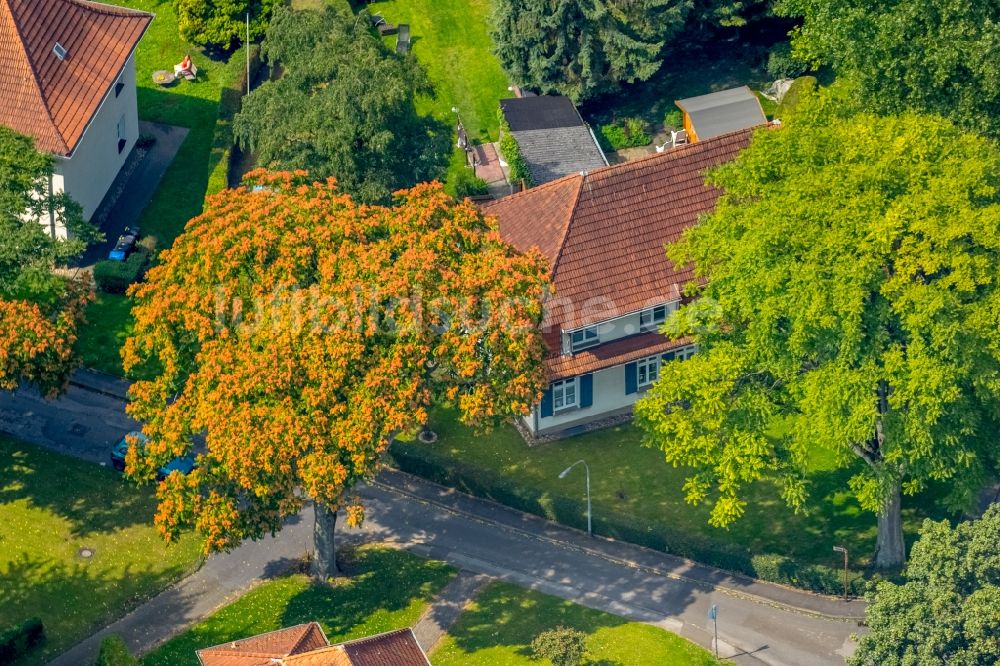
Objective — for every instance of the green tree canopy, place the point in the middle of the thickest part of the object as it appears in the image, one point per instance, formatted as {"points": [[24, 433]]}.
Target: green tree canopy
{"points": [[937, 56], [948, 610], [581, 48], [344, 107], [222, 23], [851, 304], [39, 310]]}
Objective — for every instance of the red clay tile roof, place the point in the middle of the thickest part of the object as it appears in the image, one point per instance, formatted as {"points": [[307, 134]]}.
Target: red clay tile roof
{"points": [[306, 645], [610, 354], [261, 649], [54, 100]]}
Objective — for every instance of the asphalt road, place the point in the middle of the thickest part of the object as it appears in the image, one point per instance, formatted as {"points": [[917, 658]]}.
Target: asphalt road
{"points": [[755, 622]]}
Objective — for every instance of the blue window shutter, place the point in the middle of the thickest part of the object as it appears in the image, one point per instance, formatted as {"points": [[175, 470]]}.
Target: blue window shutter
{"points": [[546, 406], [631, 378], [586, 390]]}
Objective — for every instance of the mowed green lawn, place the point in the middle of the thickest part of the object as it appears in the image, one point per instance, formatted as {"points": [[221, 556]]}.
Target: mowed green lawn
{"points": [[384, 589], [498, 627], [51, 507], [633, 485]]}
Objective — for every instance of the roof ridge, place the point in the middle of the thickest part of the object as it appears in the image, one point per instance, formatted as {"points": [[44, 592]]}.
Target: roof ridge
{"points": [[30, 66], [538, 188], [109, 9], [365, 639], [305, 634], [569, 223], [676, 152]]}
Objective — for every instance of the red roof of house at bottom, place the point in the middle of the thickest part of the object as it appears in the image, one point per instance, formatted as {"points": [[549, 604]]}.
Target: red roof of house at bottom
{"points": [[52, 99], [604, 235], [306, 645]]}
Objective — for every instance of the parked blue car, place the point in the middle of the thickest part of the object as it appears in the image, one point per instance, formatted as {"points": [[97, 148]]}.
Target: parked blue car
{"points": [[125, 245], [182, 464]]}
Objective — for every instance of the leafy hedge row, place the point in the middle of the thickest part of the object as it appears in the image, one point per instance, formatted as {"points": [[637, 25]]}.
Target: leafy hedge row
{"points": [[629, 133], [234, 85], [17, 641], [114, 277], [511, 153], [115, 653], [625, 527]]}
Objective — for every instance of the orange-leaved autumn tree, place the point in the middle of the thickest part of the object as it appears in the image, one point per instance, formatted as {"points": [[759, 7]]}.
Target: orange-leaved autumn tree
{"points": [[298, 332]]}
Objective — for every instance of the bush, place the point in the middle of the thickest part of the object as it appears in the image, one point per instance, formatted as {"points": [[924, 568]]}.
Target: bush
{"points": [[781, 64], [115, 653], [562, 646], [114, 277], [674, 119], [511, 153], [802, 86], [17, 641], [628, 134], [467, 184], [625, 527]]}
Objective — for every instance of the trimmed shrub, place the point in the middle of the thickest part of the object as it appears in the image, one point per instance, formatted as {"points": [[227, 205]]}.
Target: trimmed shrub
{"points": [[511, 152], [802, 86], [114, 277], [19, 640], [625, 527], [467, 184], [562, 646], [630, 133], [115, 653]]}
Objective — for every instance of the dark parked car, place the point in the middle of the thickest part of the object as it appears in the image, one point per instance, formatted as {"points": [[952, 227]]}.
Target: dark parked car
{"points": [[182, 464], [125, 245]]}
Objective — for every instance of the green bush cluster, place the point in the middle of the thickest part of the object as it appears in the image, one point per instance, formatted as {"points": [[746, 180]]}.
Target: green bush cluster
{"points": [[625, 527], [467, 184], [674, 119], [800, 87], [629, 133], [781, 64], [115, 653], [511, 153], [114, 277], [563, 646], [17, 641]]}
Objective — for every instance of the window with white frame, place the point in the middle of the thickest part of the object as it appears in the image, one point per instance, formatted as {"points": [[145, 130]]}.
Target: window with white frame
{"points": [[647, 370], [565, 394], [650, 318], [583, 338], [684, 353]]}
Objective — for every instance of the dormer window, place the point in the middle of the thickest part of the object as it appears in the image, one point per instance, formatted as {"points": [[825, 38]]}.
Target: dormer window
{"points": [[584, 338], [60, 51]]}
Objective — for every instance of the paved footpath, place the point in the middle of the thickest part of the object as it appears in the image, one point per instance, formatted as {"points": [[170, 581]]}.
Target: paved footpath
{"points": [[758, 622]]}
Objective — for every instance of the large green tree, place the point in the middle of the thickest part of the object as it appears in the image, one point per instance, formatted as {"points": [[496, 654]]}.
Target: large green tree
{"points": [[344, 107], [948, 610], [851, 303], [582, 48], [298, 332], [39, 310], [222, 23], [938, 56]]}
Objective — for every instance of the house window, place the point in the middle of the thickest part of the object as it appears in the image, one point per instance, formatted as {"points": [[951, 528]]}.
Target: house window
{"points": [[647, 370], [682, 354], [122, 139], [564, 394], [650, 318], [120, 86], [583, 338]]}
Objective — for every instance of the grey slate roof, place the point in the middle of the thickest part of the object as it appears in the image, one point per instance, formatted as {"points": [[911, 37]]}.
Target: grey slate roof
{"points": [[554, 140], [722, 112], [559, 151]]}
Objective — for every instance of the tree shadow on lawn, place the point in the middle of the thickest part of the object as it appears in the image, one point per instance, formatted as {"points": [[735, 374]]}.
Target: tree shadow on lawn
{"points": [[91, 499], [507, 615], [72, 598]]}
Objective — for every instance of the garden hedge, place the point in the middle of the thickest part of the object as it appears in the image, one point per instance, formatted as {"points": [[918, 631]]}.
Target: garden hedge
{"points": [[115, 653], [17, 641], [629, 133], [114, 277], [625, 527]]}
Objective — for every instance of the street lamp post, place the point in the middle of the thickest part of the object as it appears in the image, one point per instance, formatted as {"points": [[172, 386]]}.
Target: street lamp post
{"points": [[562, 475], [841, 549]]}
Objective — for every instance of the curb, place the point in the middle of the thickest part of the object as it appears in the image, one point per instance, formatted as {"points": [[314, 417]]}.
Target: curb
{"points": [[747, 596]]}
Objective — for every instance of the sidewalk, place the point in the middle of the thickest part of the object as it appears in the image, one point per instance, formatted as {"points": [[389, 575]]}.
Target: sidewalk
{"points": [[622, 553], [445, 609], [99, 382]]}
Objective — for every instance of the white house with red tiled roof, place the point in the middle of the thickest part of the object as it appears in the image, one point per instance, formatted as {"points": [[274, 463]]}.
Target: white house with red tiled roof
{"points": [[604, 234], [67, 79]]}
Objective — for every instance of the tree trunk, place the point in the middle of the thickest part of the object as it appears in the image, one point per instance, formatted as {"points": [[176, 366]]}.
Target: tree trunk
{"points": [[324, 564], [890, 549]]}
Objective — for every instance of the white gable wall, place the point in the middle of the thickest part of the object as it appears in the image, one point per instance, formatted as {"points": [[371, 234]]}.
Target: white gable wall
{"points": [[87, 175]]}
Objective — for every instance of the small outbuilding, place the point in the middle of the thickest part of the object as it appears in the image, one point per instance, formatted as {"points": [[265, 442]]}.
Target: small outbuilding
{"points": [[718, 113]]}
